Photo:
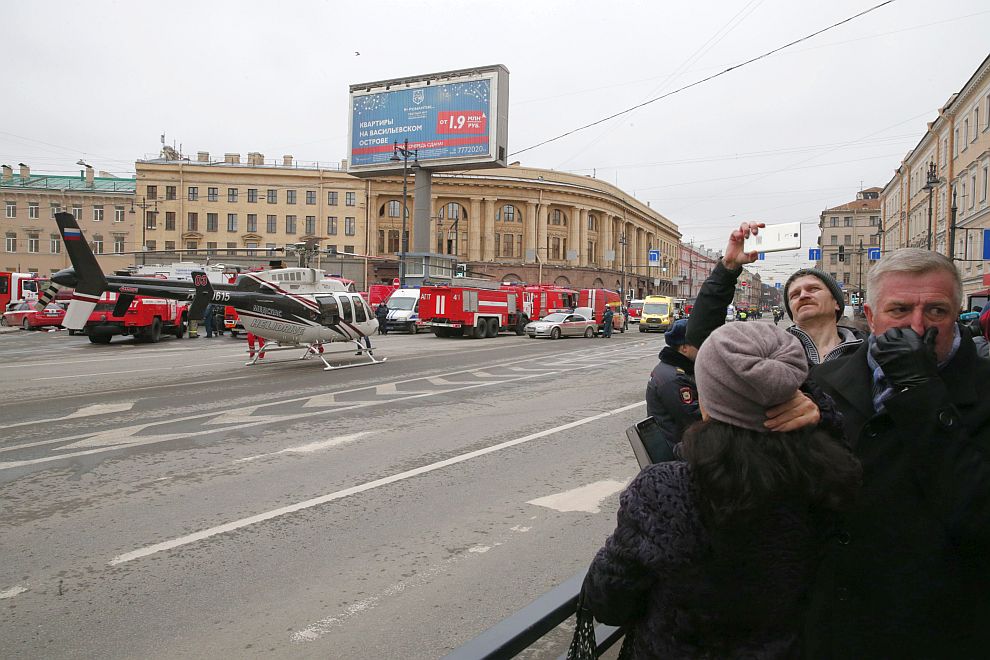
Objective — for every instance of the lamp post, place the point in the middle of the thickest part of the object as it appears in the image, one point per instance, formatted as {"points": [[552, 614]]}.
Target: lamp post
{"points": [[930, 184], [402, 154], [952, 228], [622, 243]]}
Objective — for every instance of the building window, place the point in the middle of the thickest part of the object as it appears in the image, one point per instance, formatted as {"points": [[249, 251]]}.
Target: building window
{"points": [[150, 246], [191, 245], [874, 239], [231, 247], [972, 199], [34, 211], [965, 133], [192, 221], [845, 277], [555, 247], [212, 222], [170, 246], [212, 194], [77, 213], [169, 192], [272, 196], [151, 220], [231, 194], [270, 249], [983, 195], [311, 197], [955, 143], [348, 249], [847, 221], [11, 209], [152, 192], [54, 244], [381, 241], [252, 222], [290, 196], [193, 193], [290, 224], [231, 222], [169, 220], [847, 240], [350, 199], [394, 209], [835, 239], [55, 208], [558, 217], [349, 227], [506, 213], [97, 244], [118, 214], [98, 213], [11, 243], [211, 248], [592, 225], [34, 243], [393, 240], [310, 225], [118, 243], [271, 224], [332, 198], [252, 195], [332, 225], [874, 220], [833, 259]]}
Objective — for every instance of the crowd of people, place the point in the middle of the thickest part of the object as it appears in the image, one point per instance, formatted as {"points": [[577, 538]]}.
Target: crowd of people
{"points": [[830, 489]]}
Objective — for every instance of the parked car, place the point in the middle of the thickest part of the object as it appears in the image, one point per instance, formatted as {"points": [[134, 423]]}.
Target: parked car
{"points": [[22, 314], [563, 324]]}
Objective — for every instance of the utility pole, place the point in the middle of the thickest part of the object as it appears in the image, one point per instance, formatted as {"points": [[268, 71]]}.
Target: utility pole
{"points": [[860, 286], [952, 229]]}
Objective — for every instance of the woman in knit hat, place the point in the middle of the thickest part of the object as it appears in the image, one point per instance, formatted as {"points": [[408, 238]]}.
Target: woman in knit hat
{"points": [[711, 557]]}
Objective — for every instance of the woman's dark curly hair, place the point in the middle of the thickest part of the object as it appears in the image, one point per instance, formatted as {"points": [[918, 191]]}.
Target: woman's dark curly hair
{"points": [[743, 474]]}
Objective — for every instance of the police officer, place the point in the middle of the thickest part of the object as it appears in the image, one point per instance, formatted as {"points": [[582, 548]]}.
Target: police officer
{"points": [[671, 394]]}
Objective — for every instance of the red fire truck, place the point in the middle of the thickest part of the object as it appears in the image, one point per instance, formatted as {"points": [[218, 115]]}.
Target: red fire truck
{"points": [[538, 300], [598, 300], [145, 318], [455, 311], [19, 286]]}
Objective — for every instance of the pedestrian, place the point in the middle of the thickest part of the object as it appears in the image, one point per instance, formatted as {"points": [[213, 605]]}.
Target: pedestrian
{"points": [[208, 321], [381, 313], [906, 571], [625, 316], [712, 557], [671, 393], [251, 340], [812, 299], [607, 323], [193, 328]]}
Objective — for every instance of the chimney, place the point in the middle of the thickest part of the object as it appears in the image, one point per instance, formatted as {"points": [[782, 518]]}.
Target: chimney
{"points": [[89, 176], [343, 164], [287, 161], [25, 171], [255, 158], [8, 174], [203, 156], [232, 158]]}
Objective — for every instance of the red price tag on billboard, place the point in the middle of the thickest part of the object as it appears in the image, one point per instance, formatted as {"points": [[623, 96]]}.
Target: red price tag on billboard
{"points": [[467, 122]]}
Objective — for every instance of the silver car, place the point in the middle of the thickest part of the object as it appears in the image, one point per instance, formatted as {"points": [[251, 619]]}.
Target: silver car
{"points": [[562, 324]]}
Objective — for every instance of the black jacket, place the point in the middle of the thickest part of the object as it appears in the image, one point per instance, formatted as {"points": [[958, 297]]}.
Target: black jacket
{"points": [[672, 395], [907, 574]]}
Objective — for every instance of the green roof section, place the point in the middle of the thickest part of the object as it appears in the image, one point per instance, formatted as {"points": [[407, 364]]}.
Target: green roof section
{"points": [[69, 183]]}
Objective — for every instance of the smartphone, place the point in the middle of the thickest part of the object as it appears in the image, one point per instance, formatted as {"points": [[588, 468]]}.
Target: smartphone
{"points": [[775, 238], [649, 444]]}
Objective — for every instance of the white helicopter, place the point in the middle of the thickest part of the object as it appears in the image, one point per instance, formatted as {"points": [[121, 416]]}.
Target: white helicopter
{"points": [[294, 308]]}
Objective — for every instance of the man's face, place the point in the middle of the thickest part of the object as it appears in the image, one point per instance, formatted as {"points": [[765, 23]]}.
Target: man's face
{"points": [[688, 351], [809, 299], [919, 302]]}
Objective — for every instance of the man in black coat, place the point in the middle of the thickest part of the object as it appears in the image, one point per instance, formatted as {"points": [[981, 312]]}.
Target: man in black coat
{"points": [[381, 313], [907, 572]]}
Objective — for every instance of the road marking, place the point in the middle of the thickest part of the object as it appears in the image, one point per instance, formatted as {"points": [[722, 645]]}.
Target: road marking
{"points": [[587, 498], [311, 447], [361, 488], [88, 411], [13, 591]]}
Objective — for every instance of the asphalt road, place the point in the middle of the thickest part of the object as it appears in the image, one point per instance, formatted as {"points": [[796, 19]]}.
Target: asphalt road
{"points": [[166, 501]]}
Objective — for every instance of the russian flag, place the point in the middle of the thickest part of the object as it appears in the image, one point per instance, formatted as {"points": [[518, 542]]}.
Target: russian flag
{"points": [[72, 234]]}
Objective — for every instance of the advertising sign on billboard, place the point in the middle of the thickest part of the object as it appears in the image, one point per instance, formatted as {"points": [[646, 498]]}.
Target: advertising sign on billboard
{"points": [[453, 120]]}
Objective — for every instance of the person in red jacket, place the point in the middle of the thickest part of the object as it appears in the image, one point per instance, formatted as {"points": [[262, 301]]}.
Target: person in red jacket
{"points": [[251, 338]]}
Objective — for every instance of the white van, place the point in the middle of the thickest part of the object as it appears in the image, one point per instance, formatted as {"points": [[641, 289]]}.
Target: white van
{"points": [[403, 311]]}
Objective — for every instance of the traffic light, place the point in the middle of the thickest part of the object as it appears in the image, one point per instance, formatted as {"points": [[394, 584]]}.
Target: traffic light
{"points": [[842, 253]]}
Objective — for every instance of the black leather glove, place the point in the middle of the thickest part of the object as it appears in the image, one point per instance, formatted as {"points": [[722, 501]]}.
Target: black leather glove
{"points": [[907, 360]]}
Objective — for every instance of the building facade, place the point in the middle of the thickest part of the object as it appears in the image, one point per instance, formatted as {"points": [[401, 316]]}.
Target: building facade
{"points": [[515, 223], [103, 206], [847, 234], [937, 198], [696, 264]]}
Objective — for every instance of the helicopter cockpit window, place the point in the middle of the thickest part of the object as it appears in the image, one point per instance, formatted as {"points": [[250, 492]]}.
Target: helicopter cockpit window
{"points": [[359, 312], [345, 304], [329, 311]]}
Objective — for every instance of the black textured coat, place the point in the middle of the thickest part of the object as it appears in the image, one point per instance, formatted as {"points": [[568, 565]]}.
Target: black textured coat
{"points": [[689, 593]]}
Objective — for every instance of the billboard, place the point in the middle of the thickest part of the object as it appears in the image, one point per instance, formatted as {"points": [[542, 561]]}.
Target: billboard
{"points": [[454, 120]]}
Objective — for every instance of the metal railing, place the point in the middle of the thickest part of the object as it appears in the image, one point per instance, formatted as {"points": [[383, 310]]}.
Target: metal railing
{"points": [[513, 635]]}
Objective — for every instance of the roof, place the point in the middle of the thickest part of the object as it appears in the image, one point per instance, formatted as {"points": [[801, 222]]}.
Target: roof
{"points": [[74, 183], [858, 205]]}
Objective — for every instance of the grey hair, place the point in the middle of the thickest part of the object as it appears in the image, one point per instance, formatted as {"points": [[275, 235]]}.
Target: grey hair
{"points": [[915, 261]]}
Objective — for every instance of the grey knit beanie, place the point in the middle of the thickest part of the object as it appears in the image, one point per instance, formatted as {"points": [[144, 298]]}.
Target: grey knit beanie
{"points": [[827, 280], [744, 368]]}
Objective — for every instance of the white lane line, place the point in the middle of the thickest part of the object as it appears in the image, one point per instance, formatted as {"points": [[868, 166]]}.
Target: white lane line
{"points": [[134, 371], [353, 490], [311, 447], [88, 411], [13, 591], [587, 498]]}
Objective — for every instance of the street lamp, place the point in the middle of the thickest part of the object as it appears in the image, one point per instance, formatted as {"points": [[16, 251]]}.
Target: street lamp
{"points": [[402, 154], [930, 184], [952, 228]]}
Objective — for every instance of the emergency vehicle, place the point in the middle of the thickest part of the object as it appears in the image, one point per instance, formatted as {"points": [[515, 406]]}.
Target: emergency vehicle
{"points": [[538, 300], [455, 311], [658, 314], [635, 308], [403, 311], [19, 286], [598, 300], [145, 318]]}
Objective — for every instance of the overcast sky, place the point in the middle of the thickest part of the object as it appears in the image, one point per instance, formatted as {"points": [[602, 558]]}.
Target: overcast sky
{"points": [[778, 140]]}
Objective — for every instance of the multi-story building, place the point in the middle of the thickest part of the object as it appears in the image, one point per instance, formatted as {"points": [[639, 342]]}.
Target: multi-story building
{"points": [[516, 223], [103, 206], [937, 197], [847, 234], [696, 265]]}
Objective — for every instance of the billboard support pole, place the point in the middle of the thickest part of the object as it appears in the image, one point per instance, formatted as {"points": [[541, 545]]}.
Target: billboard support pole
{"points": [[403, 153]]}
